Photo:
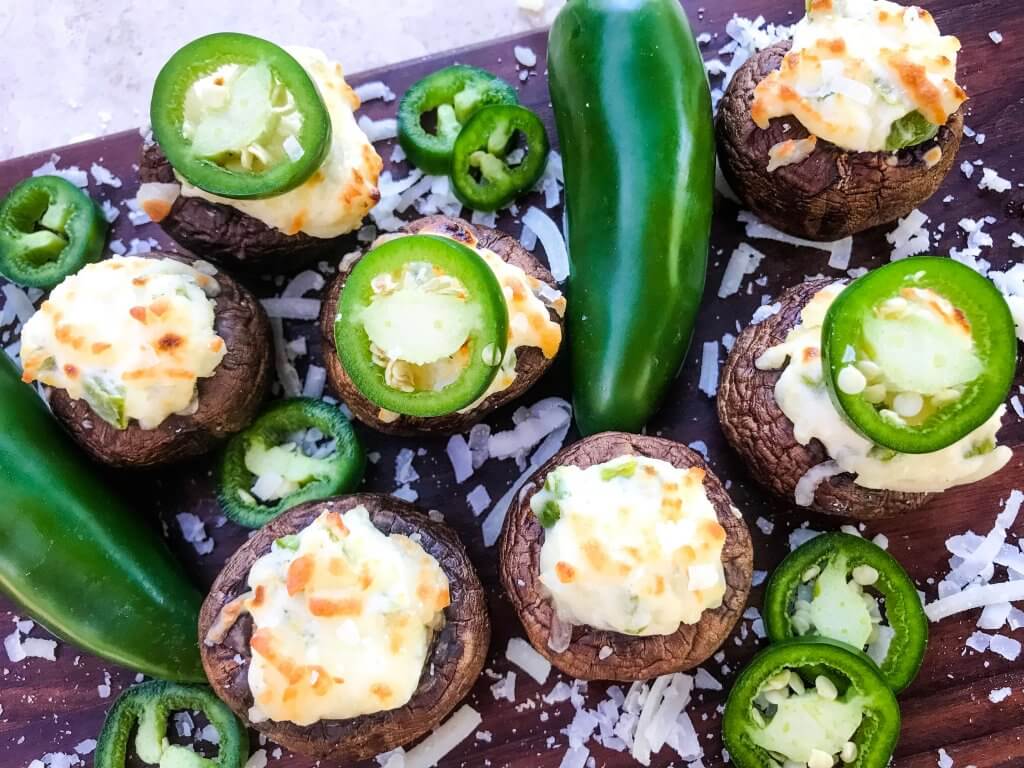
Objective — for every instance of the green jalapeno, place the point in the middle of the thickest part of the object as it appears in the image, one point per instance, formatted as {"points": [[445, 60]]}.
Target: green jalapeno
{"points": [[450, 96], [49, 229], [483, 174], [145, 708], [919, 354], [298, 450], [422, 325], [811, 702], [845, 588], [239, 117]]}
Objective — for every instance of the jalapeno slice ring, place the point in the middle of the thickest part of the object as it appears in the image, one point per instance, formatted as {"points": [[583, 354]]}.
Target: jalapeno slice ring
{"points": [[279, 458], [483, 176], [422, 325], [49, 229], [455, 93], [836, 586], [919, 353], [802, 697], [147, 707], [239, 117]]}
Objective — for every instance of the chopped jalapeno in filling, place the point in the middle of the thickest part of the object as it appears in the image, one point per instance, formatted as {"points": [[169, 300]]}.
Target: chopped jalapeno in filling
{"points": [[866, 75], [343, 620], [429, 326], [297, 451], [812, 703], [845, 588], [803, 395], [132, 336], [632, 545], [919, 353]]}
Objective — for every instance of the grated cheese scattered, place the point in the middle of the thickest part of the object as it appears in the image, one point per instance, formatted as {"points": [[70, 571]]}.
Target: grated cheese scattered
{"points": [[525, 56], [995, 36], [378, 130], [839, 250], [992, 180], [551, 238], [194, 532], [708, 382], [744, 261], [479, 500], [910, 237], [373, 91], [523, 655]]}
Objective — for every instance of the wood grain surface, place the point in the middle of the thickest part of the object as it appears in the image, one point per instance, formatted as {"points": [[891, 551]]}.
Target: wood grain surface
{"points": [[52, 706]]}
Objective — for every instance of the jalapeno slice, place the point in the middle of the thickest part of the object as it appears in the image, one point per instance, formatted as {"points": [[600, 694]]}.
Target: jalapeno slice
{"points": [[845, 588], [483, 173], [919, 354], [239, 117], [813, 702], [49, 229], [298, 450], [422, 326], [145, 708], [449, 97]]}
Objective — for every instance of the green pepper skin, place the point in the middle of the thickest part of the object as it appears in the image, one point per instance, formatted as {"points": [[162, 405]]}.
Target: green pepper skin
{"points": [[903, 609], [273, 427], [992, 328], [35, 217], [633, 113], [154, 701], [459, 88], [490, 131], [79, 561], [878, 734]]}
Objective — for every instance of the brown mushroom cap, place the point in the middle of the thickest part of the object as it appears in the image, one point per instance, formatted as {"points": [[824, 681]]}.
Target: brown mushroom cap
{"points": [[762, 434], [227, 235], [632, 658], [530, 361], [228, 400], [456, 658], [833, 193]]}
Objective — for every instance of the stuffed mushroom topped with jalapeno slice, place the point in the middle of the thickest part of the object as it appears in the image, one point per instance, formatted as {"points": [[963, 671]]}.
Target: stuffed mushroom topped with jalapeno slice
{"points": [[151, 359], [890, 388], [346, 627], [258, 158], [437, 326], [852, 125], [625, 559]]}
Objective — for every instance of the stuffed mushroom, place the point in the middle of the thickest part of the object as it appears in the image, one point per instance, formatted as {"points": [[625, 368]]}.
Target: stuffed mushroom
{"points": [[864, 400], [437, 326], [151, 359], [853, 124], [625, 559], [258, 160], [346, 628]]}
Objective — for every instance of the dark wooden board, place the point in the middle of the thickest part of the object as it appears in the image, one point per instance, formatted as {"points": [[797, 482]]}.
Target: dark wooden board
{"points": [[52, 706]]}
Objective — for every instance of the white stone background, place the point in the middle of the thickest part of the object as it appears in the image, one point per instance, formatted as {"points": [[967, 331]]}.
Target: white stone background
{"points": [[76, 69]]}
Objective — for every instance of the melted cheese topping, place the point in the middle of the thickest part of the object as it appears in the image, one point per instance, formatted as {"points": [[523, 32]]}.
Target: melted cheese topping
{"points": [[804, 399], [637, 547], [337, 197], [858, 66], [529, 324], [129, 335], [343, 618]]}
